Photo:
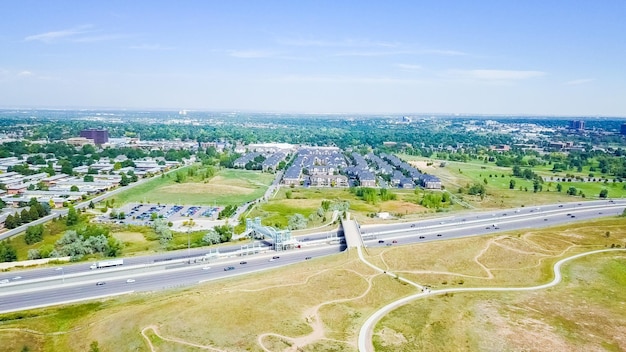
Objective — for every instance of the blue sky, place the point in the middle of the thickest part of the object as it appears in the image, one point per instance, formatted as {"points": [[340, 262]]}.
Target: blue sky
{"points": [[484, 57]]}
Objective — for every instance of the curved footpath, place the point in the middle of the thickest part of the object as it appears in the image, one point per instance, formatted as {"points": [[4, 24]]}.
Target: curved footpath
{"points": [[367, 330]]}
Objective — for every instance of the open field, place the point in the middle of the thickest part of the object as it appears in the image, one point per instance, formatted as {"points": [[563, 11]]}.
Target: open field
{"points": [[459, 174], [306, 201], [227, 187], [583, 313], [320, 304]]}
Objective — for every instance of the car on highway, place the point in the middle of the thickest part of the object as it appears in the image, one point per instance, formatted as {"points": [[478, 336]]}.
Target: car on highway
{"points": [[130, 281], [243, 262], [100, 283], [5, 281], [17, 278], [439, 235], [381, 241], [307, 258], [229, 268], [412, 225], [394, 241], [422, 237], [561, 206], [206, 268], [275, 257]]}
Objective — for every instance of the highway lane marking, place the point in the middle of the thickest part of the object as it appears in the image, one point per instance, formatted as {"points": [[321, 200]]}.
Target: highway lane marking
{"points": [[66, 302]]}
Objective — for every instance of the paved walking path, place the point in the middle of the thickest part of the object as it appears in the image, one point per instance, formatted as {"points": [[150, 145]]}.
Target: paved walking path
{"points": [[367, 330]]}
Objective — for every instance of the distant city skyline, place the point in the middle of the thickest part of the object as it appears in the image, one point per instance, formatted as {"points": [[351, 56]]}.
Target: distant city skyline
{"points": [[369, 57]]}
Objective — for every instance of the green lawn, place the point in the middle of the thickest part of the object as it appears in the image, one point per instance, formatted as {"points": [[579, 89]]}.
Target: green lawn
{"points": [[460, 174], [226, 187]]}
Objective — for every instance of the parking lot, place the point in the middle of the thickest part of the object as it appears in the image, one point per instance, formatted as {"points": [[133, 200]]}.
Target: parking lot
{"points": [[142, 214]]}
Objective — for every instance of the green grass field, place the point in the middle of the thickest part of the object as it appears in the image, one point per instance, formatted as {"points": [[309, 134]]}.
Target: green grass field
{"points": [[459, 174], [306, 201], [227, 187]]}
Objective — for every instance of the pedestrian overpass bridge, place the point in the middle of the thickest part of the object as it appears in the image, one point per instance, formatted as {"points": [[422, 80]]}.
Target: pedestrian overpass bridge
{"points": [[352, 232]]}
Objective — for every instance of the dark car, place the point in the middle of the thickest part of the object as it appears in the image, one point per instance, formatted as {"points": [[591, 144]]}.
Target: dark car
{"points": [[394, 241], [561, 206], [412, 225], [422, 237], [243, 262], [439, 235], [229, 268], [100, 283], [381, 241], [307, 258]]}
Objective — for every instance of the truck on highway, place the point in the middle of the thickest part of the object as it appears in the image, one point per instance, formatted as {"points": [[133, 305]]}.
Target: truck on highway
{"points": [[106, 263]]}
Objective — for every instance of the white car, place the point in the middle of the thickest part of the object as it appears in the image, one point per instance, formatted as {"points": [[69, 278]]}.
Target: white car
{"points": [[5, 281], [206, 268], [17, 278], [130, 281]]}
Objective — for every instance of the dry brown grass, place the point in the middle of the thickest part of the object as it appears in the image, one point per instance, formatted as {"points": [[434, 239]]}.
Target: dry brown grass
{"points": [[320, 304], [577, 315], [135, 237]]}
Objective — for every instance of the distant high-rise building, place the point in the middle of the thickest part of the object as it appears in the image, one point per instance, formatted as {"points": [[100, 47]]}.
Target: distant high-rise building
{"points": [[99, 136], [622, 129], [577, 125]]}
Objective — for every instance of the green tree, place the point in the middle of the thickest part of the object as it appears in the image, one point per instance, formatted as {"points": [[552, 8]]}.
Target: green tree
{"points": [[25, 216], [88, 178], [34, 234], [604, 193], [559, 188], [125, 180], [10, 222], [74, 188], [7, 252], [297, 221], [572, 191], [512, 184], [93, 347], [33, 213], [72, 216]]}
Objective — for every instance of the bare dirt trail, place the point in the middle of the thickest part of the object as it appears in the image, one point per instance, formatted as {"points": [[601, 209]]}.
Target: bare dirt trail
{"points": [[155, 331]]}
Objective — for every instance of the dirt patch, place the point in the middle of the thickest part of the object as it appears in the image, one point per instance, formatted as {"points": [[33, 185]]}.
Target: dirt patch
{"points": [[209, 188], [390, 337], [422, 165], [401, 207], [136, 237]]}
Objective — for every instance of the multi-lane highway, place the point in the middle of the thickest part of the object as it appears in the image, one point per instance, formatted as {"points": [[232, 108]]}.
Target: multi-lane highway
{"points": [[49, 286]]}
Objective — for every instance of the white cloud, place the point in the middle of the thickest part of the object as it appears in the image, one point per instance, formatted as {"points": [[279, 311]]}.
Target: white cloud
{"points": [[374, 53], [443, 52], [576, 82], [347, 43], [408, 67], [345, 79], [495, 75], [25, 74], [155, 47], [52, 36], [98, 38], [251, 54]]}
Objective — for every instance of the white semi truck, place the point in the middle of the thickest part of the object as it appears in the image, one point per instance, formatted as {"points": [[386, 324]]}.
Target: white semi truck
{"points": [[106, 263]]}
